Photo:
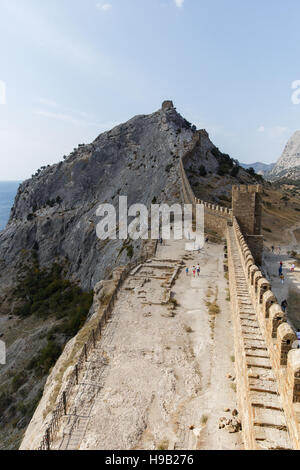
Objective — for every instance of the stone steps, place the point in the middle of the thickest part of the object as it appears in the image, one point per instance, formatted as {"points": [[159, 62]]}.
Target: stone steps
{"points": [[269, 421]]}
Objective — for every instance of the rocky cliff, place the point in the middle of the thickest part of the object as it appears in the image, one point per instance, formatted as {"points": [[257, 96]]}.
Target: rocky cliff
{"points": [[55, 211], [288, 165]]}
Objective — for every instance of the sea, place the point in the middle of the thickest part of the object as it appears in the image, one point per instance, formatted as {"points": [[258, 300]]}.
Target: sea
{"points": [[8, 191]]}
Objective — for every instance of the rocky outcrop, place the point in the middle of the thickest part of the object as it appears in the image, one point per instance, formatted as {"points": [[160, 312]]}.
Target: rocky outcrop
{"points": [[55, 211], [288, 165]]}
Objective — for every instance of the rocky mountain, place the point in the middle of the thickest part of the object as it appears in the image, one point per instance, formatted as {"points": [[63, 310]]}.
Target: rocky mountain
{"points": [[51, 258], [55, 211], [260, 168], [288, 165]]}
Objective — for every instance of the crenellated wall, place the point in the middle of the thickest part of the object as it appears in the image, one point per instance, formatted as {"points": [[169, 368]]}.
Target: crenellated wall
{"points": [[279, 336], [242, 228], [216, 217]]}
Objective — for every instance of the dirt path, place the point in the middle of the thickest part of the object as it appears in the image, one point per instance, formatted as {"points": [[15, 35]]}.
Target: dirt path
{"points": [[159, 378]]}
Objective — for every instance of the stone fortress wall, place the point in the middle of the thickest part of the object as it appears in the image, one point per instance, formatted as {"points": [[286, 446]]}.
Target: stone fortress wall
{"points": [[216, 217], [267, 365]]}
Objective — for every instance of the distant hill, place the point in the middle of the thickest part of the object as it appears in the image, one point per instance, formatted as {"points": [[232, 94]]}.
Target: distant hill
{"points": [[260, 168], [288, 165]]}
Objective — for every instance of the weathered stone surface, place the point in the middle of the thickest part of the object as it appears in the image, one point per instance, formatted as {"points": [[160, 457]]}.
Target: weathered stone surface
{"points": [[56, 209], [288, 165]]}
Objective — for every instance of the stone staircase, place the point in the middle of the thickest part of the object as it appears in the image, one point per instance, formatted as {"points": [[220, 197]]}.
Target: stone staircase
{"points": [[267, 416]]}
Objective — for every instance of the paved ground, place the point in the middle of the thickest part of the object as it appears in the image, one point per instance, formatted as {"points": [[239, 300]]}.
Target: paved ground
{"points": [[159, 377]]}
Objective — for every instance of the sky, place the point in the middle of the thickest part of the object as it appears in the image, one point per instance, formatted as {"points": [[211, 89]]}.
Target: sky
{"points": [[71, 69]]}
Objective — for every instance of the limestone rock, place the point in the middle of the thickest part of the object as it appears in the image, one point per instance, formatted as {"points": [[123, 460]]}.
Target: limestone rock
{"points": [[288, 165]]}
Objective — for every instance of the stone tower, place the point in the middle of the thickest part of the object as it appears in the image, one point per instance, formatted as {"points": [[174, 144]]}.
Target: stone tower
{"points": [[246, 207]]}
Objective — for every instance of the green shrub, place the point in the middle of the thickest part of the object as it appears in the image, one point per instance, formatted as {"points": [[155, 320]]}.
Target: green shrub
{"points": [[44, 292], [235, 171], [202, 171], [47, 357], [18, 380], [5, 401], [251, 171], [129, 250]]}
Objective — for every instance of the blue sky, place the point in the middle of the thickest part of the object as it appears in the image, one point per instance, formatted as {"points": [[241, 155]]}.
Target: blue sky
{"points": [[74, 68]]}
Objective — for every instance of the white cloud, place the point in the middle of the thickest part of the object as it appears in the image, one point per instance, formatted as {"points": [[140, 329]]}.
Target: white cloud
{"points": [[273, 132], [179, 3], [76, 118], [47, 102], [59, 116], [104, 6]]}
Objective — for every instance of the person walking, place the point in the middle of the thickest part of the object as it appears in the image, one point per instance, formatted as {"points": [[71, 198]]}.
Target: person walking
{"points": [[194, 271], [298, 337], [272, 248], [293, 268], [282, 278], [198, 270], [280, 270], [187, 271], [284, 305]]}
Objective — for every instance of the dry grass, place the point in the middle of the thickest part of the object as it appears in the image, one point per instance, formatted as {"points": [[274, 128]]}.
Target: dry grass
{"points": [[209, 293], [204, 419], [213, 307], [174, 302], [188, 329], [163, 445]]}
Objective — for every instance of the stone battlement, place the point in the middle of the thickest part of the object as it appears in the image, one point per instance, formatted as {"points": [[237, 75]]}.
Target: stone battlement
{"points": [[279, 337], [216, 217], [244, 188]]}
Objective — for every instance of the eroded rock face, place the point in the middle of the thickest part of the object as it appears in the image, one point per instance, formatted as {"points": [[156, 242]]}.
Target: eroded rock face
{"points": [[288, 165], [55, 211]]}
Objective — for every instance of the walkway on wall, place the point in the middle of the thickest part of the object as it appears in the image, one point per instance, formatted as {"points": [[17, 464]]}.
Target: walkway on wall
{"points": [[158, 379], [264, 411]]}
